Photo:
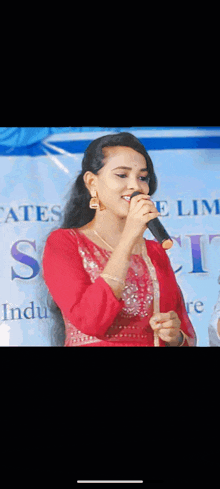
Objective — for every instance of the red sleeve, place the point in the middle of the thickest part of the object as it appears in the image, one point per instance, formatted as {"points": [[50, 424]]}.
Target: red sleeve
{"points": [[186, 325], [171, 297], [91, 307]]}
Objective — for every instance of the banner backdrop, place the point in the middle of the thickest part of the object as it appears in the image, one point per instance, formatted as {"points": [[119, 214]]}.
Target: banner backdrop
{"points": [[37, 168]]}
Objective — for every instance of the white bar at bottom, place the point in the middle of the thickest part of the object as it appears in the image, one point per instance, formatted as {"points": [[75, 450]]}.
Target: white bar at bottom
{"points": [[109, 481]]}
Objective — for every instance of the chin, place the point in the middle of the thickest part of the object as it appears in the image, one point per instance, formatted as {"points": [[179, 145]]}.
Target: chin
{"points": [[119, 212], [122, 215]]}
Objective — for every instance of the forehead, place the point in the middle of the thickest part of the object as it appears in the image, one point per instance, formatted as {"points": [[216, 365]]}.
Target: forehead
{"points": [[122, 155]]}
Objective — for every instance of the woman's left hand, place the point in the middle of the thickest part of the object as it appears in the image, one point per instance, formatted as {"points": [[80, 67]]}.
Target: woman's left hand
{"points": [[168, 326]]}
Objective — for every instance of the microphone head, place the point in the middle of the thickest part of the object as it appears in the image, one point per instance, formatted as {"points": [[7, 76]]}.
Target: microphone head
{"points": [[167, 244], [134, 194]]}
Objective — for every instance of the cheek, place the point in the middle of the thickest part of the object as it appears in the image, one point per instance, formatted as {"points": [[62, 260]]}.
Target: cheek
{"points": [[110, 195], [111, 186], [145, 188]]}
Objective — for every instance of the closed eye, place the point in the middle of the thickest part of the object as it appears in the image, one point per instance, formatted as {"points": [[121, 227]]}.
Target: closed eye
{"points": [[143, 179]]}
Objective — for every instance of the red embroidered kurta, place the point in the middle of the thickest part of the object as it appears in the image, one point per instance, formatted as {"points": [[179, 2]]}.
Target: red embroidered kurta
{"points": [[93, 316]]}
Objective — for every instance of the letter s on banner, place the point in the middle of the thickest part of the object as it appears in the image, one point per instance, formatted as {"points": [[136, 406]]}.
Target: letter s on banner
{"points": [[25, 259]]}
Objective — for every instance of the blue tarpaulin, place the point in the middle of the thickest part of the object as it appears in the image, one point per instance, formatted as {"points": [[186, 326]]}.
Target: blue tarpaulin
{"points": [[29, 141]]}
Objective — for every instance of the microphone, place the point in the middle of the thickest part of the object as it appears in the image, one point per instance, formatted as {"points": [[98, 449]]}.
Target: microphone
{"points": [[158, 231]]}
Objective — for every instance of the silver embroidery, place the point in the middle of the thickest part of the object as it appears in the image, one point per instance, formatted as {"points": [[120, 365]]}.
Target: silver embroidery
{"points": [[140, 294]]}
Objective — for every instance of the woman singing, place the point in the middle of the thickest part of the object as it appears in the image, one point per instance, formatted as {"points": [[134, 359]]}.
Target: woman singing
{"points": [[112, 286]]}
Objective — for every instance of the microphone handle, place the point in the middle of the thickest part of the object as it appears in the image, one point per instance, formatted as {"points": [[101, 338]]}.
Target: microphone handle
{"points": [[157, 229], [160, 233]]}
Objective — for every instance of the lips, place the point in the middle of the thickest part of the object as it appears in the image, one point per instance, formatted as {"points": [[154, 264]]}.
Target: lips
{"points": [[126, 197]]}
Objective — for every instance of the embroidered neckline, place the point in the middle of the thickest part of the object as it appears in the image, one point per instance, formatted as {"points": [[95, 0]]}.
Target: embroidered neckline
{"points": [[146, 259], [103, 249]]}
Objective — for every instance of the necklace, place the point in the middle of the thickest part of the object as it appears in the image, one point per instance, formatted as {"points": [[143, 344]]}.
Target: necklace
{"points": [[138, 250], [95, 232], [138, 247]]}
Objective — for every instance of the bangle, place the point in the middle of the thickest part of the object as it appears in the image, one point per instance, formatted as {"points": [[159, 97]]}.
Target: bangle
{"points": [[113, 278]]}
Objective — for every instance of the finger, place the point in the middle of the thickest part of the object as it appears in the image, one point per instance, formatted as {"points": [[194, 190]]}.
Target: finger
{"points": [[138, 198], [143, 197], [159, 317], [143, 203], [150, 215], [169, 331], [165, 338], [165, 316], [156, 326], [170, 315], [147, 209], [168, 335], [150, 210], [144, 206], [154, 323], [172, 323]]}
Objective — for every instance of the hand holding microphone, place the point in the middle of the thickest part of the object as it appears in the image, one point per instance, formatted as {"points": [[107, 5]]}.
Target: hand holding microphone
{"points": [[143, 213], [158, 231]]}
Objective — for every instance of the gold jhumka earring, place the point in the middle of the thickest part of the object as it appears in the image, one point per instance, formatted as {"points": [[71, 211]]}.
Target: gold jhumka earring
{"points": [[95, 203]]}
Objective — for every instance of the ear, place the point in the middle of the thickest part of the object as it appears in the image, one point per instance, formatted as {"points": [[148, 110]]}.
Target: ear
{"points": [[90, 181]]}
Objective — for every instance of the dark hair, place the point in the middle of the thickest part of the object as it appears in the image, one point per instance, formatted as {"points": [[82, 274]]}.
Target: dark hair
{"points": [[77, 212]]}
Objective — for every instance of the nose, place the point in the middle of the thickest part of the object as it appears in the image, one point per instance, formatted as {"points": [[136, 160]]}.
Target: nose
{"points": [[134, 183]]}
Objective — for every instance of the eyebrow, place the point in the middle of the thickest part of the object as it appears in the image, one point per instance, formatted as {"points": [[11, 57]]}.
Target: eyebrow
{"points": [[128, 168]]}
